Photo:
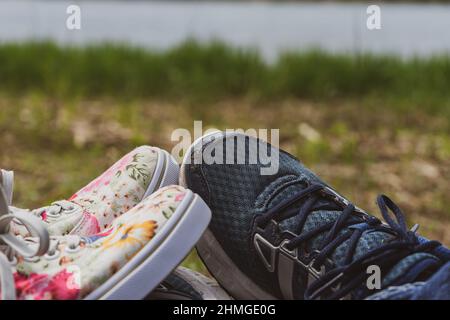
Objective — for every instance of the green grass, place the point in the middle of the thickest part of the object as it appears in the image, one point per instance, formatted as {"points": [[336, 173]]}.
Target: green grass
{"points": [[215, 71]]}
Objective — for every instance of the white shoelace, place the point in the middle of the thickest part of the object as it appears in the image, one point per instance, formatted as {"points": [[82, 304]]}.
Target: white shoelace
{"points": [[53, 211], [12, 244], [7, 181]]}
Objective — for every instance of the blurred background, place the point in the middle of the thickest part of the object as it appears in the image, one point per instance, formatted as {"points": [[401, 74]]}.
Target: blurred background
{"points": [[368, 110]]}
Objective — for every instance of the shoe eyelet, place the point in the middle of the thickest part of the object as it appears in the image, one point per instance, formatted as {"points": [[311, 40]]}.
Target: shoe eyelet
{"points": [[51, 214], [52, 256], [31, 259], [285, 247], [72, 250], [70, 210], [13, 262]]}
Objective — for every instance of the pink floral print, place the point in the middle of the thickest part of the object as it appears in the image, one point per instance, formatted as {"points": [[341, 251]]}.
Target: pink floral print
{"points": [[99, 256], [44, 287], [106, 177]]}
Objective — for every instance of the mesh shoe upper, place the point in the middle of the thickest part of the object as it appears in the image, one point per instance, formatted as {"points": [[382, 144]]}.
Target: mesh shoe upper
{"points": [[237, 194]]}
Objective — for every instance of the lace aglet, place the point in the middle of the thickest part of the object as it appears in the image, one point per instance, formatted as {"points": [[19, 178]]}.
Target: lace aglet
{"points": [[415, 228]]}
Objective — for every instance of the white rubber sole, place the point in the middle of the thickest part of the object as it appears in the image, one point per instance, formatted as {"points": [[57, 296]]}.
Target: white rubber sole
{"points": [[226, 272], [148, 268], [218, 263], [166, 172]]}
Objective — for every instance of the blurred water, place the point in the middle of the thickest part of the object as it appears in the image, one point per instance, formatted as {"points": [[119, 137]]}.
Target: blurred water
{"points": [[407, 29]]}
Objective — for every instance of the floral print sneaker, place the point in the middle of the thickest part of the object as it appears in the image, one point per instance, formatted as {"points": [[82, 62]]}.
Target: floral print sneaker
{"points": [[126, 261], [93, 208]]}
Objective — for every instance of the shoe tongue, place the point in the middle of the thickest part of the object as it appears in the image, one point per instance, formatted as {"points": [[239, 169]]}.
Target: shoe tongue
{"points": [[7, 183], [411, 269], [408, 269]]}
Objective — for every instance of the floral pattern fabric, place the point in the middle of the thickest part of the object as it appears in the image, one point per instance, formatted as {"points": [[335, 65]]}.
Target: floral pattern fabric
{"points": [[115, 192], [73, 273]]}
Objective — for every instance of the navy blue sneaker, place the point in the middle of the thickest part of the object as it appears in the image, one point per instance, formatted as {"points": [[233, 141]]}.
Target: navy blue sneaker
{"points": [[289, 235]]}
